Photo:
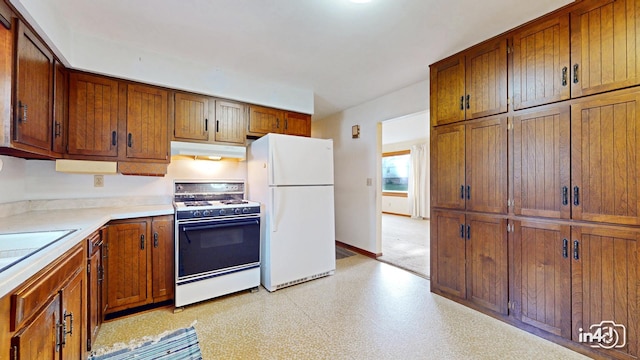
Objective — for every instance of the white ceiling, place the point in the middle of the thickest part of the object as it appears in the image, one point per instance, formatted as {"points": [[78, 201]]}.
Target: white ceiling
{"points": [[344, 53]]}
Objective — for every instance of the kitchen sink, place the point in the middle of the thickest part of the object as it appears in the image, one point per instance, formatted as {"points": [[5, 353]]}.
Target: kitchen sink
{"points": [[15, 247]]}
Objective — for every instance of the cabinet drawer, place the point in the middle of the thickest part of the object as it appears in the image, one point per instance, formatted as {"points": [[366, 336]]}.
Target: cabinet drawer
{"points": [[35, 292], [93, 242]]}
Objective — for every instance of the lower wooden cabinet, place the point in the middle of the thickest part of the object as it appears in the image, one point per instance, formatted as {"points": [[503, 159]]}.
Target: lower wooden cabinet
{"points": [[139, 262], [48, 311], [95, 273], [469, 258], [569, 279]]}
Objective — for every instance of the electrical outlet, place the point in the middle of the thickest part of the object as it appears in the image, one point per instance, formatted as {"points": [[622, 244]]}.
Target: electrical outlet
{"points": [[98, 180], [369, 181]]}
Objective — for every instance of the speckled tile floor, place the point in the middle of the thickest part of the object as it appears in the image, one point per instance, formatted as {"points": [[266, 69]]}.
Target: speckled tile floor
{"points": [[367, 310]]}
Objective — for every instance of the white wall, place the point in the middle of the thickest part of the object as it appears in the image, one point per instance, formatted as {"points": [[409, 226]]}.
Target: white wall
{"points": [[129, 62], [37, 180], [357, 206], [397, 135]]}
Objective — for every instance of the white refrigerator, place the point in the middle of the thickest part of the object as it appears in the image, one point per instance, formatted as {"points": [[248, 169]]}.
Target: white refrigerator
{"points": [[292, 177]]}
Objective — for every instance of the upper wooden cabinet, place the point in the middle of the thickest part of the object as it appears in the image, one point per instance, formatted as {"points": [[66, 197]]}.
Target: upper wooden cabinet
{"points": [[93, 115], [263, 120], [297, 124], [605, 50], [32, 106], [541, 63], [230, 122], [60, 108], [605, 166], [470, 85], [147, 123], [191, 117], [469, 166], [541, 162]]}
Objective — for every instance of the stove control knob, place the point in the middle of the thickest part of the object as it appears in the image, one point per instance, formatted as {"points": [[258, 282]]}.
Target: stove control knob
{"points": [[197, 213], [237, 211], [206, 213], [245, 210], [223, 212]]}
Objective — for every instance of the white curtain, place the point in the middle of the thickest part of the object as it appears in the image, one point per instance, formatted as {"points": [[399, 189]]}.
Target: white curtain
{"points": [[419, 181]]}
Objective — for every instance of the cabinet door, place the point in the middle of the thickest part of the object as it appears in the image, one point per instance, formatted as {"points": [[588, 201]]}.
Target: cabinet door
{"points": [[605, 282], [34, 90], [448, 254], [486, 165], [94, 295], [264, 120], [93, 115], [41, 338], [147, 123], [541, 163], [73, 310], [59, 108], [163, 257], [605, 49], [542, 276], [297, 124], [447, 91], [127, 265], [487, 279], [605, 166], [191, 117], [486, 79], [541, 63], [447, 167], [230, 122]]}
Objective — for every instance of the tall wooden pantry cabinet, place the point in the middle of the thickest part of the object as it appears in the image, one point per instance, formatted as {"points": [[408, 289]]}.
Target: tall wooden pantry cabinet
{"points": [[535, 177]]}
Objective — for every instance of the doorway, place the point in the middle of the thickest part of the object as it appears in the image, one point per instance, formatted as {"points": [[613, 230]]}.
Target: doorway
{"points": [[404, 193]]}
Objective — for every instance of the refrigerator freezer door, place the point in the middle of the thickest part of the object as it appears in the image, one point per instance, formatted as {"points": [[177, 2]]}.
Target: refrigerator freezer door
{"points": [[297, 160], [301, 234]]}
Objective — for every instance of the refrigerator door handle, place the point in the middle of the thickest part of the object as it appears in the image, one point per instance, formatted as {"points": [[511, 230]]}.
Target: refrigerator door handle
{"points": [[274, 226]]}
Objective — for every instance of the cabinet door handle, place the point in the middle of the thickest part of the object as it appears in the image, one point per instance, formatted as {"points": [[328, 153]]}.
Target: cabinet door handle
{"points": [[462, 102], [100, 274], [468, 192], [565, 195], [468, 98], [461, 191], [206, 124], [576, 196], [286, 124], [114, 138], [575, 73], [565, 248], [130, 140], [142, 242], [155, 240], [217, 125], [564, 76], [576, 250], [277, 123], [57, 129], [462, 231], [23, 118], [60, 331], [468, 232], [70, 316]]}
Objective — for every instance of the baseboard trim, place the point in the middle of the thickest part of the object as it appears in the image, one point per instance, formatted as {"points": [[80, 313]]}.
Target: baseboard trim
{"points": [[357, 250], [392, 213]]}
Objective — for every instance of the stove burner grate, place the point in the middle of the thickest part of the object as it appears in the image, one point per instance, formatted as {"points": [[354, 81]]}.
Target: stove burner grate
{"points": [[197, 203], [233, 202]]}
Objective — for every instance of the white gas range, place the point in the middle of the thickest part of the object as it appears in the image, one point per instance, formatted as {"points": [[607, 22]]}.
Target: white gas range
{"points": [[217, 240]]}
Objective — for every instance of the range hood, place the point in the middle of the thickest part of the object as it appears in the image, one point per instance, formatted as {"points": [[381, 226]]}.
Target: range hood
{"points": [[208, 150]]}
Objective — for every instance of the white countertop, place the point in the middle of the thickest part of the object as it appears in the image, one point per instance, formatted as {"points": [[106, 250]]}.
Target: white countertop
{"points": [[85, 221]]}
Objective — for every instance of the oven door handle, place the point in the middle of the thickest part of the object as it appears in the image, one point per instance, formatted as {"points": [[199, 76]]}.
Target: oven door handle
{"points": [[186, 228]]}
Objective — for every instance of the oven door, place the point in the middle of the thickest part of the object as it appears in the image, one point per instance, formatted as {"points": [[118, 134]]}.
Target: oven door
{"points": [[214, 247]]}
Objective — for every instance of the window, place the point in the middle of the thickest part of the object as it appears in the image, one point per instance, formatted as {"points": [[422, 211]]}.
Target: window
{"points": [[395, 173]]}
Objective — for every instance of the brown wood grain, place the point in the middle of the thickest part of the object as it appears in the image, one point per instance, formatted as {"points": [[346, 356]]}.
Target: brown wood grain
{"points": [[230, 124], [191, 117], [448, 273], [60, 109], [448, 167], [486, 79], [40, 338], [541, 158], [540, 53], [447, 91], [163, 257], [264, 120], [147, 123], [74, 306], [297, 124], [604, 45], [93, 115]]}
